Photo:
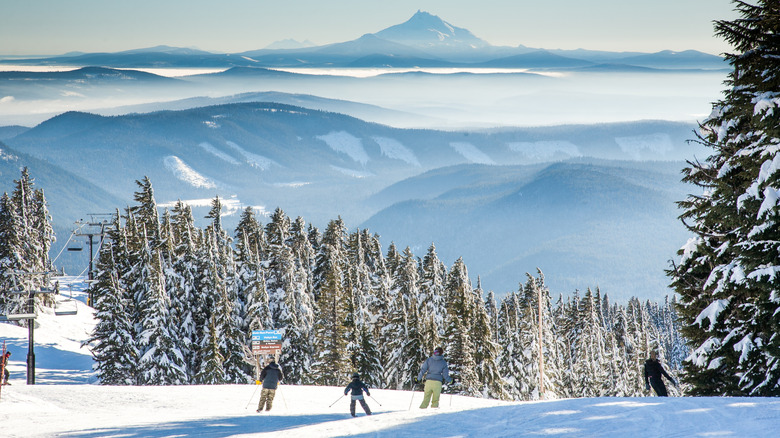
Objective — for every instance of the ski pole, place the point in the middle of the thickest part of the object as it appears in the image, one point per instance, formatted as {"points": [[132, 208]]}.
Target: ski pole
{"points": [[253, 396], [283, 399], [410, 401], [377, 401], [331, 405]]}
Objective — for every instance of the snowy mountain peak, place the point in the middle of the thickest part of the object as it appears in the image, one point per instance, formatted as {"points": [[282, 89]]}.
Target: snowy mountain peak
{"points": [[426, 31]]}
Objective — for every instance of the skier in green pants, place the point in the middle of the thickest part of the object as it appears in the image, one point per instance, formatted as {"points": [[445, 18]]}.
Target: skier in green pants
{"points": [[436, 373]]}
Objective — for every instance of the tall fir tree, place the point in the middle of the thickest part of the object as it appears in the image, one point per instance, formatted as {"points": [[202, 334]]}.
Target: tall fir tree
{"points": [[112, 341], [727, 276], [458, 341]]}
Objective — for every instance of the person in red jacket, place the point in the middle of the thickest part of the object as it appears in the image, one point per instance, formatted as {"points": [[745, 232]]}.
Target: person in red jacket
{"points": [[653, 372], [4, 364]]}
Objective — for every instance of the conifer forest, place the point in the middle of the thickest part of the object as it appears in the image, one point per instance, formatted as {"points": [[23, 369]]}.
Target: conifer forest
{"points": [[175, 304]]}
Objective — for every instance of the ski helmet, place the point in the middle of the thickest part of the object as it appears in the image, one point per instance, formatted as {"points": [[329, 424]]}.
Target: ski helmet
{"points": [[355, 375]]}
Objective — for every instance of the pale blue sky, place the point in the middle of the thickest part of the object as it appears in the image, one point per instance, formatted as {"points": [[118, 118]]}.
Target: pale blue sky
{"points": [[33, 27]]}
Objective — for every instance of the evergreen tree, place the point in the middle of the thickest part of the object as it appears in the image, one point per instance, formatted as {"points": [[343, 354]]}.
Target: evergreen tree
{"points": [[112, 340], [727, 277], [211, 371], [458, 341], [486, 350], [161, 362], [331, 363]]}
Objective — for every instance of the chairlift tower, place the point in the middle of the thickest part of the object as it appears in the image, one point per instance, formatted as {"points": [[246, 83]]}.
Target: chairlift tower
{"points": [[95, 227], [30, 315]]}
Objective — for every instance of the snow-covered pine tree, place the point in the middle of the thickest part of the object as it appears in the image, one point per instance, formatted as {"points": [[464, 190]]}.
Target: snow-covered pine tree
{"points": [[161, 361], [10, 253], [588, 365], [528, 326], [486, 349], [364, 353], [434, 274], [727, 276], [112, 341], [182, 281], [227, 311], [393, 338], [458, 341], [331, 365], [25, 238], [278, 263], [643, 338], [211, 371], [251, 284], [510, 361], [296, 318]]}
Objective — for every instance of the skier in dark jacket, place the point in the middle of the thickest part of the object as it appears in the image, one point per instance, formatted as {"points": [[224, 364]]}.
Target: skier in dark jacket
{"points": [[653, 372], [270, 376], [357, 388], [436, 373]]}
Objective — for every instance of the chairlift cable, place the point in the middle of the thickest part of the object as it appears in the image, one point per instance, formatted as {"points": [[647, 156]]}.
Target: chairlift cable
{"points": [[73, 233]]}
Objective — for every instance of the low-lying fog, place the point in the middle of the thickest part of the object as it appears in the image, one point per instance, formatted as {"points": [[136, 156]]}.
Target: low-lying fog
{"points": [[421, 98]]}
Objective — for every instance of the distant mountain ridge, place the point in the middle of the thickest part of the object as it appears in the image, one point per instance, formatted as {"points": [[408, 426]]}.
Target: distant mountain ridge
{"points": [[427, 39]]}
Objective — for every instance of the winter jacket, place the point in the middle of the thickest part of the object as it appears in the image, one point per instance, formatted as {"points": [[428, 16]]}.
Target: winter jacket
{"points": [[271, 375], [357, 387], [654, 370], [435, 368]]}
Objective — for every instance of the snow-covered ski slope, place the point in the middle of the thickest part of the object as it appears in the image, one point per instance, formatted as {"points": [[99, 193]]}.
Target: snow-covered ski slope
{"points": [[64, 402]]}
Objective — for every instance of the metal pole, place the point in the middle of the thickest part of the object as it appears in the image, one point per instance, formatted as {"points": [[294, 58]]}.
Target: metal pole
{"points": [[337, 400], [31, 341], [541, 350], [89, 273], [253, 396]]}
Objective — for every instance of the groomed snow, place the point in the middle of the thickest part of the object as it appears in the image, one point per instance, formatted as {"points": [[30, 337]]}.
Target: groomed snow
{"points": [[185, 173], [471, 153], [346, 143], [208, 147], [62, 403], [254, 160], [394, 149]]}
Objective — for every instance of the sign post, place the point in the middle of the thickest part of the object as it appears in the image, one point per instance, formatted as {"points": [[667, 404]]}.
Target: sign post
{"points": [[265, 342]]}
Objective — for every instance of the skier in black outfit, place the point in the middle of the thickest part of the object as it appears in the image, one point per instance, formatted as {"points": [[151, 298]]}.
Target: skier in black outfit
{"points": [[653, 372], [270, 376], [357, 388]]}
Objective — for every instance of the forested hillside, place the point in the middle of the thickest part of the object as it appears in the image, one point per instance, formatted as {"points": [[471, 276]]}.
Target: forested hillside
{"points": [[176, 304]]}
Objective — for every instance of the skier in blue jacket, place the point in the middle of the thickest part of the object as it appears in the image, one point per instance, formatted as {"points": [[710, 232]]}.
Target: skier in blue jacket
{"points": [[357, 388], [436, 373]]}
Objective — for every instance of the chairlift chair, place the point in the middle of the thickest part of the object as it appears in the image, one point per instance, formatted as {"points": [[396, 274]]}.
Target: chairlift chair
{"points": [[75, 247], [67, 306]]}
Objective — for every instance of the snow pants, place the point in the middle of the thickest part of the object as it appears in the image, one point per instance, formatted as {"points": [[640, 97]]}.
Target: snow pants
{"points": [[432, 393], [266, 399], [362, 403], [658, 387]]}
